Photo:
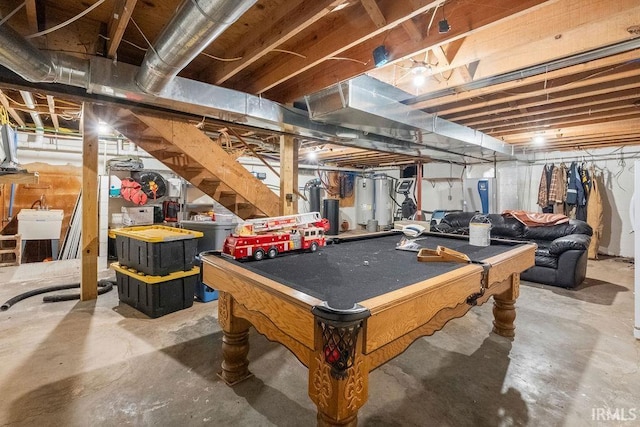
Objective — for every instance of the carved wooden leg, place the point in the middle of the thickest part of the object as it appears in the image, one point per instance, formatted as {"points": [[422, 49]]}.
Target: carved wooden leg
{"points": [[338, 400], [338, 389], [235, 342], [504, 310]]}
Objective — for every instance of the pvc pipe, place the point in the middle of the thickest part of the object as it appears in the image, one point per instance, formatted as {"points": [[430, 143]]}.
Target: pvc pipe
{"points": [[13, 194]]}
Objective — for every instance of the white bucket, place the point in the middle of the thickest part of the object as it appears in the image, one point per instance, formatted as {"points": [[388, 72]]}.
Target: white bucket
{"points": [[479, 234]]}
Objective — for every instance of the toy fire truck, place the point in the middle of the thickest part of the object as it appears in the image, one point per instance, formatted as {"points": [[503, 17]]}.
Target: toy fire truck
{"points": [[257, 238]]}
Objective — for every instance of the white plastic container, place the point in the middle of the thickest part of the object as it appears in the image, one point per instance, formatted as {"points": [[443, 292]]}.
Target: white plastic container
{"points": [[35, 224], [142, 215], [480, 231]]}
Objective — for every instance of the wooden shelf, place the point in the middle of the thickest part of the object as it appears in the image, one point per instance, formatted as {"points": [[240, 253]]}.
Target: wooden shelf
{"points": [[19, 178]]}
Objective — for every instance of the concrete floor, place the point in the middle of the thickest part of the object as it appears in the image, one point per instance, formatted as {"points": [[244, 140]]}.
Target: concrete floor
{"points": [[103, 363]]}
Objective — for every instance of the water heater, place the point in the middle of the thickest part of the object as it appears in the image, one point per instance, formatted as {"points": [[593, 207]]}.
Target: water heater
{"points": [[364, 200], [382, 201]]}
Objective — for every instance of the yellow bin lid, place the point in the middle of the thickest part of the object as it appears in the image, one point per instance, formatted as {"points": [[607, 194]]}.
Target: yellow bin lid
{"points": [[154, 279], [157, 233]]}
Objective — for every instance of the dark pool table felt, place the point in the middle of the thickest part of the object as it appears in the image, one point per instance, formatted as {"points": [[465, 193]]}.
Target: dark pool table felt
{"points": [[338, 273]]}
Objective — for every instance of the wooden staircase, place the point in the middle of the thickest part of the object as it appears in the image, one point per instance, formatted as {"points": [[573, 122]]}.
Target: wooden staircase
{"points": [[195, 157]]}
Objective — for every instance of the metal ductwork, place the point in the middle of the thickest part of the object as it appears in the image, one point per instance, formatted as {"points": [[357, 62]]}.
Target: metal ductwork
{"points": [[36, 66], [196, 24], [370, 106]]}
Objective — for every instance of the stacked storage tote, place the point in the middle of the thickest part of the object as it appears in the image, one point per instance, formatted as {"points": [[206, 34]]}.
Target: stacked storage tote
{"points": [[155, 270]]}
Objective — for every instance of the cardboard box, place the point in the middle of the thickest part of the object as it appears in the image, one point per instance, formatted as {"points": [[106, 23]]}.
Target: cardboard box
{"points": [[142, 215]]}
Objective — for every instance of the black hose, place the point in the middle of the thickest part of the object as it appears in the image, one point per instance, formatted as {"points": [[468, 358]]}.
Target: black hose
{"points": [[7, 305], [104, 286]]}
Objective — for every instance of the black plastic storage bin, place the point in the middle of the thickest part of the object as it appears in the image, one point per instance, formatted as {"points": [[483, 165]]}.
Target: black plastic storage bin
{"points": [[156, 296], [156, 250]]}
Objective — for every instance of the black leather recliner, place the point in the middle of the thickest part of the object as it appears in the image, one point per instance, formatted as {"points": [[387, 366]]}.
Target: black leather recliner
{"points": [[561, 256]]}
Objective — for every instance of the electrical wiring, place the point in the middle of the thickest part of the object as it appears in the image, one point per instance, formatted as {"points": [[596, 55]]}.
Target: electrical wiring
{"points": [[13, 12], [144, 49], [341, 58], [289, 52], [238, 58], [144, 37], [67, 22]]}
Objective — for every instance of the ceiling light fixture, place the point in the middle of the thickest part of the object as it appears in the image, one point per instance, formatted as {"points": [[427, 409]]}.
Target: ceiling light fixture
{"points": [[539, 140], [420, 71], [443, 25], [103, 128], [419, 79], [380, 56]]}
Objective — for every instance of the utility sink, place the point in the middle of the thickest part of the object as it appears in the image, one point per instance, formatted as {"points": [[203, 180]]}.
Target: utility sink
{"points": [[37, 224]]}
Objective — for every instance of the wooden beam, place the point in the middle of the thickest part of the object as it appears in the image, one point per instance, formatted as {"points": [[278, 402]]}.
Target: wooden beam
{"points": [[289, 24], [341, 33], [257, 155], [32, 15], [465, 73], [52, 112], [292, 78], [90, 144], [19, 178], [530, 39], [441, 56], [611, 61], [412, 30], [122, 10], [374, 12], [12, 112], [288, 175]]}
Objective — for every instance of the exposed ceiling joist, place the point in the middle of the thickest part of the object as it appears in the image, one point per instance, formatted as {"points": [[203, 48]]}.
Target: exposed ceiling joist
{"points": [[12, 112], [290, 23], [52, 112], [374, 12], [512, 69], [122, 10]]}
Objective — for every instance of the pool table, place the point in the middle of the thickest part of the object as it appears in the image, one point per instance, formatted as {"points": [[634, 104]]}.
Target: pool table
{"points": [[356, 304]]}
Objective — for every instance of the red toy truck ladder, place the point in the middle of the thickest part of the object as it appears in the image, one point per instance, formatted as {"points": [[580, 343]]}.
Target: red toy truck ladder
{"points": [[270, 236]]}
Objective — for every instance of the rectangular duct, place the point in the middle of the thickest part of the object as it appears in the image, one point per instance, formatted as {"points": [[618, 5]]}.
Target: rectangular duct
{"points": [[371, 106]]}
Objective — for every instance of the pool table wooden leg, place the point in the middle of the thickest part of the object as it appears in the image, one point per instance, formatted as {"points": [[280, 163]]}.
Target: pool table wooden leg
{"points": [[504, 310], [338, 400], [338, 395], [235, 342]]}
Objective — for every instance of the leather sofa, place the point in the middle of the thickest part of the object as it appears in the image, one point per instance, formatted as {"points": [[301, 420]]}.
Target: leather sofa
{"points": [[561, 256]]}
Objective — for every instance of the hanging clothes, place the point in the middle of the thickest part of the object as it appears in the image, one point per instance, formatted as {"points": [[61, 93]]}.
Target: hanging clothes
{"points": [[595, 213], [545, 189], [585, 178], [585, 181], [561, 197], [575, 191]]}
